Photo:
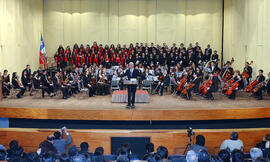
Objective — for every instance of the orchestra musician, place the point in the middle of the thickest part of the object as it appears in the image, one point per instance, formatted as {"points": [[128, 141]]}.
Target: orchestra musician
{"points": [[48, 85], [165, 82], [102, 87], [207, 87], [267, 85], [26, 80], [260, 78], [227, 71], [131, 73], [6, 84], [27, 70], [17, 85], [36, 82], [87, 82], [237, 85], [58, 85], [247, 72]]}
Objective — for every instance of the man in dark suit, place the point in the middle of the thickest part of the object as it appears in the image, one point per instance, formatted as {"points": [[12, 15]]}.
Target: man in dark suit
{"points": [[28, 72], [131, 73]]}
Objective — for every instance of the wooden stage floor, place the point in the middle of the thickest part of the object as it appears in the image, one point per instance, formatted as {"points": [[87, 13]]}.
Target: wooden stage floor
{"points": [[165, 107]]}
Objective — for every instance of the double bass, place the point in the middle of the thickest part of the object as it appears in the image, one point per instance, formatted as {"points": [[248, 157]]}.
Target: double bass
{"points": [[226, 75], [245, 72]]}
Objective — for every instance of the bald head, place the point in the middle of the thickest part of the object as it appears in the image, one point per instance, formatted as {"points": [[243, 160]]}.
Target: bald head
{"points": [[131, 65]]}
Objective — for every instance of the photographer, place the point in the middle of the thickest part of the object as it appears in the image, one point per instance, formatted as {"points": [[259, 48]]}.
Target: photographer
{"points": [[60, 143]]}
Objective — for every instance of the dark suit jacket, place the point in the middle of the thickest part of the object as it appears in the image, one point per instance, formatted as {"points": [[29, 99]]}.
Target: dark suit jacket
{"points": [[166, 80], [136, 73], [28, 73]]}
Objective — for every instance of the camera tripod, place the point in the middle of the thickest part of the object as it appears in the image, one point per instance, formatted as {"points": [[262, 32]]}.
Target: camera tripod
{"points": [[188, 145]]}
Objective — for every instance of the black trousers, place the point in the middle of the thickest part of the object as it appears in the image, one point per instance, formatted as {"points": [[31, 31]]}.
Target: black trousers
{"points": [[233, 95], [131, 94], [91, 91], [209, 93], [21, 93], [258, 94], [45, 89], [6, 90]]}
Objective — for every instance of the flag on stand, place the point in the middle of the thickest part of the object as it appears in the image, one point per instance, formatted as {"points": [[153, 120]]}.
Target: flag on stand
{"points": [[42, 55]]}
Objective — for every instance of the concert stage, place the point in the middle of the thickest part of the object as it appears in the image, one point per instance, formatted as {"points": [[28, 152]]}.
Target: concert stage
{"points": [[161, 108]]}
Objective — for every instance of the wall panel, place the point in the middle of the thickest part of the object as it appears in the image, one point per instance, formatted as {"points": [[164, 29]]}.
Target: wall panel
{"points": [[247, 33], [131, 21], [20, 29]]}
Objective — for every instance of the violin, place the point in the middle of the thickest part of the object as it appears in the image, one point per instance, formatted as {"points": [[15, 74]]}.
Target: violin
{"points": [[93, 80], [172, 75], [160, 77], [251, 86]]}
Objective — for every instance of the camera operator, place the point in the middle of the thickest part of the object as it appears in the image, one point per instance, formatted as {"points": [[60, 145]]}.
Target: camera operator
{"points": [[60, 143]]}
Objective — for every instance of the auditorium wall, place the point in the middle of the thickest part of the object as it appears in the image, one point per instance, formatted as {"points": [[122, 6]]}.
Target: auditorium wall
{"points": [[125, 21], [247, 33], [20, 28]]}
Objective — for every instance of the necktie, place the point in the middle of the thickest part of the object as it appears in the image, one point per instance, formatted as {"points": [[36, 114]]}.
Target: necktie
{"points": [[131, 72]]}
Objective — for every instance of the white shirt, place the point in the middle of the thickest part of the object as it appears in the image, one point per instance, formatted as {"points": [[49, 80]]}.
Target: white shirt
{"points": [[232, 145]]}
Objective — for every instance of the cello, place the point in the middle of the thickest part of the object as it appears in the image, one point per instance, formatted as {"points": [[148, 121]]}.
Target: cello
{"points": [[207, 86], [182, 83], [251, 86], [256, 89], [227, 85], [190, 85], [232, 88]]}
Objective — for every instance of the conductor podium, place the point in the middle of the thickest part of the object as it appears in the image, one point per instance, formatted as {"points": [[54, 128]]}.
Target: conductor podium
{"points": [[121, 96]]}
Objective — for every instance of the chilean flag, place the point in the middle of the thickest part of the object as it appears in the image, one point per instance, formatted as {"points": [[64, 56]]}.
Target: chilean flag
{"points": [[42, 54]]}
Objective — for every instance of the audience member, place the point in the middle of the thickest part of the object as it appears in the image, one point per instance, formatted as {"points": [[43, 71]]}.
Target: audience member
{"points": [[150, 151], [15, 150], [2, 147], [47, 146], [232, 143], [163, 152], [85, 150], [3, 155], [237, 156], [98, 155], [224, 155], [200, 142], [203, 156], [256, 153], [191, 156], [59, 142]]}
